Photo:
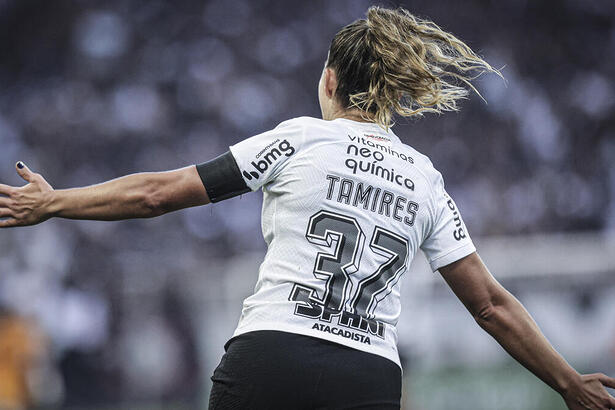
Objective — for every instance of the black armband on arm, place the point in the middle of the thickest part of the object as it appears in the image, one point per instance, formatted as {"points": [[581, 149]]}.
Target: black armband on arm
{"points": [[222, 178]]}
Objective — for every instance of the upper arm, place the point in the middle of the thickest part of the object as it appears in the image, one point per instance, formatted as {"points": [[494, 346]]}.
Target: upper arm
{"points": [[473, 284], [261, 158], [251, 163], [446, 238], [177, 189], [222, 178]]}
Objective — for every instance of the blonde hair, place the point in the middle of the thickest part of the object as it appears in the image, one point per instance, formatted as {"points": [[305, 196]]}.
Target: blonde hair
{"points": [[394, 62]]}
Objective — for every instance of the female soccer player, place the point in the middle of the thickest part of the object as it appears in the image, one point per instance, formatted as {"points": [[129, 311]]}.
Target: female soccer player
{"points": [[346, 207]]}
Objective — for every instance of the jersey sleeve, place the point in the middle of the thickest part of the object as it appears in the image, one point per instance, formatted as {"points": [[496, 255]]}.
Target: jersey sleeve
{"points": [[447, 240], [262, 157]]}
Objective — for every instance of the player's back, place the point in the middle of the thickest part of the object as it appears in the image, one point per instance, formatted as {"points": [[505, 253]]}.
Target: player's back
{"points": [[346, 206]]}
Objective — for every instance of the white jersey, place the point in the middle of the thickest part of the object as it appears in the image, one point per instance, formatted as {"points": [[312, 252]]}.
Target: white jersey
{"points": [[346, 207]]}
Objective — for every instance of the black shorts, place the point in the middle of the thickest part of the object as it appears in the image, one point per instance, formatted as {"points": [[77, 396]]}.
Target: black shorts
{"points": [[279, 370]]}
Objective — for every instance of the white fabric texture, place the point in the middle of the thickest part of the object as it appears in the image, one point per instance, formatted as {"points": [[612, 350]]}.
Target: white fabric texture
{"points": [[346, 207]]}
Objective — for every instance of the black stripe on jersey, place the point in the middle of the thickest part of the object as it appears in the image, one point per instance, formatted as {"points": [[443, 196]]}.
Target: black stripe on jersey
{"points": [[222, 178]]}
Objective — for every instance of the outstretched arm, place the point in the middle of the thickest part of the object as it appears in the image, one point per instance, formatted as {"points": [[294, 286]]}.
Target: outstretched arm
{"points": [[502, 315], [143, 195]]}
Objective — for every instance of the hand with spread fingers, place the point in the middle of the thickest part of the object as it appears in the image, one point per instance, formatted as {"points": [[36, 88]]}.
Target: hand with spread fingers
{"points": [[23, 206], [589, 393]]}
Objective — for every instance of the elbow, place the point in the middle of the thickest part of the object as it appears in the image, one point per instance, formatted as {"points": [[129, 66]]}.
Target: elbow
{"points": [[493, 308], [485, 314], [495, 312], [153, 202], [152, 206]]}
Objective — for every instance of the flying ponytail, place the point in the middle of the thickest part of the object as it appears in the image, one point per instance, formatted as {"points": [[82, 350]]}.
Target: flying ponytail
{"points": [[393, 62]]}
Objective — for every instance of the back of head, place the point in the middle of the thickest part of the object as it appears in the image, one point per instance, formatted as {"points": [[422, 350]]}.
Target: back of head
{"points": [[393, 62]]}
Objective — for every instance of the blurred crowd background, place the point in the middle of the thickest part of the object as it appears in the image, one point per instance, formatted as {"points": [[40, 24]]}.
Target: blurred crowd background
{"points": [[135, 314]]}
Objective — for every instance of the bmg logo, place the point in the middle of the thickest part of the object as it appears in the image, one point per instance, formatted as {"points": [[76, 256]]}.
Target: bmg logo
{"points": [[269, 158], [459, 233]]}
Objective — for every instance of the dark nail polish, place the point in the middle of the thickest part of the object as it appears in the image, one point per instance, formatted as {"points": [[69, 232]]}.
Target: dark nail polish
{"points": [[20, 165]]}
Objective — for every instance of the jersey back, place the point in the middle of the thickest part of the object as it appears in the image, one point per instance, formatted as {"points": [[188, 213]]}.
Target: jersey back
{"points": [[346, 207]]}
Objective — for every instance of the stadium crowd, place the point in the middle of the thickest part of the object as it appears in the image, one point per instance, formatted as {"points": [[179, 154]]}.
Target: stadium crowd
{"points": [[90, 91]]}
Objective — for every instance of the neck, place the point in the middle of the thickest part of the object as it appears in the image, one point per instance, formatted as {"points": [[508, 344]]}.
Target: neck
{"points": [[354, 115]]}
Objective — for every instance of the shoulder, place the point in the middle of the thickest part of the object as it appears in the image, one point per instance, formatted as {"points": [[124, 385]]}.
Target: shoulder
{"points": [[304, 122], [308, 132], [424, 165]]}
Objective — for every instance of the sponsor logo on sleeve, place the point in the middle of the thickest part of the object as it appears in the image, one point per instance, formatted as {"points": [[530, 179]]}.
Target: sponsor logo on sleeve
{"points": [[267, 157], [458, 233]]}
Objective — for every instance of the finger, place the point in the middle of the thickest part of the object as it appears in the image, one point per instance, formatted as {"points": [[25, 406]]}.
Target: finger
{"points": [[8, 223], [24, 171], [5, 202], [607, 381], [4, 212], [611, 402], [6, 189]]}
